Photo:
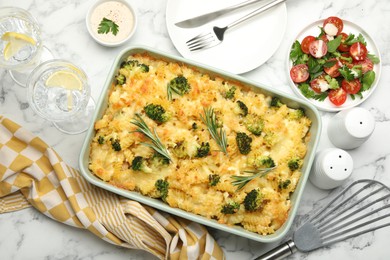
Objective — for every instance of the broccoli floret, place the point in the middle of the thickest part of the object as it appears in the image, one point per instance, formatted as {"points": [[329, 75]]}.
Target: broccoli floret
{"points": [[203, 150], [158, 160], [180, 150], [254, 124], [162, 187], [157, 113], [115, 144], [294, 164], [101, 140], [214, 179], [243, 109], [120, 79], [143, 67], [230, 208], [243, 142], [271, 139], [284, 184], [267, 162], [230, 93], [139, 164], [296, 114], [179, 85], [253, 200], [275, 102], [131, 64], [260, 162]]}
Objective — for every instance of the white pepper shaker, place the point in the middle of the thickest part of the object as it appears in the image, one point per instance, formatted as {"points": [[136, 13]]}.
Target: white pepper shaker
{"points": [[350, 128], [331, 167]]}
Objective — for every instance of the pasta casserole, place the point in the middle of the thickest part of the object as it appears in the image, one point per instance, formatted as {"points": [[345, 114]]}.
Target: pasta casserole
{"points": [[201, 143]]}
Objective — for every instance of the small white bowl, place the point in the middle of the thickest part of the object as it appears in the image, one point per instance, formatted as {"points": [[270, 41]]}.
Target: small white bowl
{"points": [[121, 12]]}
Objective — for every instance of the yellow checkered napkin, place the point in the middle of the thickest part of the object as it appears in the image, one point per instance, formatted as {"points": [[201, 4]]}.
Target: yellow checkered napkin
{"points": [[32, 174]]}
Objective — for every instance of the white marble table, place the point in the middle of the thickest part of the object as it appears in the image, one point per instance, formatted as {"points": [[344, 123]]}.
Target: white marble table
{"points": [[27, 234]]}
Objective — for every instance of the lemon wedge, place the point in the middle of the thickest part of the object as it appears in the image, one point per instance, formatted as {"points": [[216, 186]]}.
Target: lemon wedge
{"points": [[64, 79], [16, 41]]}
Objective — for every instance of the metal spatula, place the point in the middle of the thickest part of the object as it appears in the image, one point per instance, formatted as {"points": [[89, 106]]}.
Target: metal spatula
{"points": [[360, 208]]}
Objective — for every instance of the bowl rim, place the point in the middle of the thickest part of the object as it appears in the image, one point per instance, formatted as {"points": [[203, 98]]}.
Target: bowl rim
{"points": [[111, 44], [158, 204]]}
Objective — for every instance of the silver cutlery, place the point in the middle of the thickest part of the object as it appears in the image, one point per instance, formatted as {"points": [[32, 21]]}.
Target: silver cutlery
{"points": [[205, 18], [360, 208], [215, 35]]}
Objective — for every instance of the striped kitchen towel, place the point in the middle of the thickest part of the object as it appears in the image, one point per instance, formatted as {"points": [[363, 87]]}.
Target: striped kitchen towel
{"points": [[33, 174]]}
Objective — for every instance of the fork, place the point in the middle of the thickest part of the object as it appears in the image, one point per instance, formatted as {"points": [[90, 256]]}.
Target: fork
{"points": [[215, 36]]}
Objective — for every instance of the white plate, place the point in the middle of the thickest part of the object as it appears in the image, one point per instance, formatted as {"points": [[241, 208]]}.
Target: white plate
{"points": [[244, 48], [349, 27]]}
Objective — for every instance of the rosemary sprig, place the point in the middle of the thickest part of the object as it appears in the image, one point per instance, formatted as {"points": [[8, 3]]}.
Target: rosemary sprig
{"points": [[241, 181], [210, 120], [156, 144]]}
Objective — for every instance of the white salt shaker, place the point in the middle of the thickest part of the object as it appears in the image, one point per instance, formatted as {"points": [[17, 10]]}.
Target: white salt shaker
{"points": [[331, 167], [350, 128]]}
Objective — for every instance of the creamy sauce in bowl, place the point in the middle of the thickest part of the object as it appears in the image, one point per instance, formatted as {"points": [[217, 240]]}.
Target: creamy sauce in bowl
{"points": [[116, 11]]}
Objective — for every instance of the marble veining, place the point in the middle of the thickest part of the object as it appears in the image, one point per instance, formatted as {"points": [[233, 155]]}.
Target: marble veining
{"points": [[28, 234]]}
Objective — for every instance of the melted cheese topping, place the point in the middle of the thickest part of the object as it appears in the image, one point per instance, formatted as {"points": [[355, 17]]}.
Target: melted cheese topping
{"points": [[283, 137]]}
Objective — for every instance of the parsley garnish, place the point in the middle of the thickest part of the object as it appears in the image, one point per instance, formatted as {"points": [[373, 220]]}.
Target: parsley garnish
{"points": [[106, 25], [351, 39], [315, 68], [297, 55], [346, 73]]}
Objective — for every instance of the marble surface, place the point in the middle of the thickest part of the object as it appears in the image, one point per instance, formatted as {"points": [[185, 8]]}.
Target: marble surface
{"points": [[27, 234]]}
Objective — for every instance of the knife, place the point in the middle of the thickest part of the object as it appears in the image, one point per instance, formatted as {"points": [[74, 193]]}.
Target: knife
{"points": [[204, 18]]}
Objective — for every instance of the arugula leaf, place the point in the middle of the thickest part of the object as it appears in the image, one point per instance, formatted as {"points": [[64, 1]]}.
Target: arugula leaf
{"points": [[107, 25], [334, 44], [346, 73], [308, 93], [373, 58], [367, 80], [329, 64]]}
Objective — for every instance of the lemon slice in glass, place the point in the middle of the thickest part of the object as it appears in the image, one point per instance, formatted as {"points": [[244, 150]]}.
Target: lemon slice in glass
{"points": [[64, 79], [67, 80], [15, 42]]}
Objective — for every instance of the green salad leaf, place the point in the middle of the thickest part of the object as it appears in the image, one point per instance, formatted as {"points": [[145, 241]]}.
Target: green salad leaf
{"points": [[334, 44]]}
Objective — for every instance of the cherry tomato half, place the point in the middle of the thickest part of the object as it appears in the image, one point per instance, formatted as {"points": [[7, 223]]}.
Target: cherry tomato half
{"points": [[324, 38], [337, 96], [358, 51], [299, 73], [336, 22], [334, 70], [343, 47], [366, 65], [319, 84], [351, 87], [306, 43], [318, 48]]}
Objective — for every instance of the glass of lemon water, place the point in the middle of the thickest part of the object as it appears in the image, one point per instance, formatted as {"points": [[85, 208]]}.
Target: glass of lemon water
{"points": [[59, 91], [21, 47]]}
